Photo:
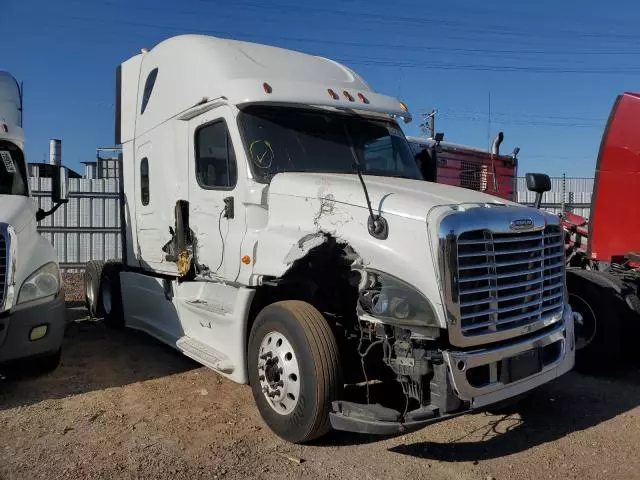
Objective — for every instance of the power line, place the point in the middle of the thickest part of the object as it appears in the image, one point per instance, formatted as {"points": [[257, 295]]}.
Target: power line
{"points": [[383, 62], [421, 21], [524, 122], [489, 68], [484, 31]]}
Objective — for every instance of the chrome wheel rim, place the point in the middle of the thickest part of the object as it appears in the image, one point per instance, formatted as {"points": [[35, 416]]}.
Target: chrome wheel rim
{"points": [[584, 319], [106, 297], [279, 373], [88, 291]]}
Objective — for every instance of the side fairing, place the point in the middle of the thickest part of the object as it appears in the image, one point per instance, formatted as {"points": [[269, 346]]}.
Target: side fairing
{"points": [[614, 209]]}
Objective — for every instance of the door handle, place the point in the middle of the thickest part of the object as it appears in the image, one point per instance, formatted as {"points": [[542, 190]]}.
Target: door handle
{"points": [[229, 211]]}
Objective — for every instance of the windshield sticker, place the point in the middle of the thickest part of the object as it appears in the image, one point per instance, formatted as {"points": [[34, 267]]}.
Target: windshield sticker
{"points": [[8, 161], [261, 153], [394, 131]]}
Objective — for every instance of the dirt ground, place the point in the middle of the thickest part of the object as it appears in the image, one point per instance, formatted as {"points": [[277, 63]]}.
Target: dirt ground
{"points": [[122, 405]]}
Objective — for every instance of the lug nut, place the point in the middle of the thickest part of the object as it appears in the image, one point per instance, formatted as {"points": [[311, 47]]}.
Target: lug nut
{"points": [[266, 356]]}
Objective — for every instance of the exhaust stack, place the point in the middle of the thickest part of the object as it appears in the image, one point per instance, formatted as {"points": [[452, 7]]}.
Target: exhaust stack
{"points": [[495, 147], [55, 151]]}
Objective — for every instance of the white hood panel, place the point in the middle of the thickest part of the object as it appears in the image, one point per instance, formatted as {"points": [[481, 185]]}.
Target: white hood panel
{"points": [[398, 196]]}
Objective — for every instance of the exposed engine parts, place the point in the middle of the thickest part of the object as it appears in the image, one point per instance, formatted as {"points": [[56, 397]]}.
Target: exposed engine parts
{"points": [[416, 364]]}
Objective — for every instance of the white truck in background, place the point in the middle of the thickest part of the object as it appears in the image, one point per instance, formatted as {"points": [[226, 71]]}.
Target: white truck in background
{"points": [[32, 309], [276, 229]]}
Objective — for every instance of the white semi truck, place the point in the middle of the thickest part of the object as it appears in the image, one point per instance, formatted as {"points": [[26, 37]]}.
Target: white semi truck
{"points": [[276, 229], [32, 309]]}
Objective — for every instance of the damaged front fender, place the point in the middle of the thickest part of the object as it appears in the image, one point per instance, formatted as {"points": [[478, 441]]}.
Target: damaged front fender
{"points": [[296, 226]]}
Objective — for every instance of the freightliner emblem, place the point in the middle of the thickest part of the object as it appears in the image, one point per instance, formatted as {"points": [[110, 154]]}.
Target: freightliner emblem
{"points": [[521, 224]]}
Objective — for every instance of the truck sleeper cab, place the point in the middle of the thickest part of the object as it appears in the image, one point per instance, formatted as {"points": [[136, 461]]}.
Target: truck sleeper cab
{"points": [[468, 167], [32, 310], [277, 229]]}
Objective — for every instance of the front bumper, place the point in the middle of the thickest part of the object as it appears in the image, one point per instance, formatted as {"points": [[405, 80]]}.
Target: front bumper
{"points": [[498, 380], [16, 326]]}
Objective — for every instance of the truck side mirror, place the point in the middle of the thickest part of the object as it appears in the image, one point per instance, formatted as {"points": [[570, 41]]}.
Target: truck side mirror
{"points": [[60, 184], [538, 183], [59, 191]]}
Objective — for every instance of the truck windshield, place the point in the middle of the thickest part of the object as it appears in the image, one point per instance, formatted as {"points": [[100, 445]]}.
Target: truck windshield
{"points": [[12, 175], [285, 139]]}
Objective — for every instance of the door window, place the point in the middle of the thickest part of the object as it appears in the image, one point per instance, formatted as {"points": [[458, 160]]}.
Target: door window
{"points": [[215, 157]]}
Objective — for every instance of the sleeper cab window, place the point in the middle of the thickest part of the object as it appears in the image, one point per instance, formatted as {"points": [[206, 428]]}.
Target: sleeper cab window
{"points": [[148, 88], [144, 181], [215, 157]]}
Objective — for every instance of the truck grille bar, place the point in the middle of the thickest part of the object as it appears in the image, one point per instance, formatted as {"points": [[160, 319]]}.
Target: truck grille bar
{"points": [[500, 284], [509, 280]]}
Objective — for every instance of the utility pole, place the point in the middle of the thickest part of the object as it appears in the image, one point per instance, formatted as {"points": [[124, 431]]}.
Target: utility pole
{"points": [[429, 125], [489, 125]]}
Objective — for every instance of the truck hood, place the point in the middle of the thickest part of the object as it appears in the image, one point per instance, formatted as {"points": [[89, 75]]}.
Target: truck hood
{"points": [[17, 210], [396, 196]]}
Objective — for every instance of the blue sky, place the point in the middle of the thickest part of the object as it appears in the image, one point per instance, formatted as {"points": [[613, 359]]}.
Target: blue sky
{"points": [[552, 70]]}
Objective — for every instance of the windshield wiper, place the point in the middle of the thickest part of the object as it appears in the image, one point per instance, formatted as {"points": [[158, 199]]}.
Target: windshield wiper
{"points": [[377, 225], [389, 174]]}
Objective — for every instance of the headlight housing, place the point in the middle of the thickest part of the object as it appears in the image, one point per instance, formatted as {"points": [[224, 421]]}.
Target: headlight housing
{"points": [[393, 301], [44, 282]]}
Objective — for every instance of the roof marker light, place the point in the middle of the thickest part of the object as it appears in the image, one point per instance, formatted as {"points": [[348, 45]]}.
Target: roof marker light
{"points": [[403, 107], [333, 94], [267, 87], [348, 96], [363, 98]]}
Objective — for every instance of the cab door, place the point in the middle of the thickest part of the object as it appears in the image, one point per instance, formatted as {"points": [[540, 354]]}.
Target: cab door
{"points": [[148, 223], [216, 213]]}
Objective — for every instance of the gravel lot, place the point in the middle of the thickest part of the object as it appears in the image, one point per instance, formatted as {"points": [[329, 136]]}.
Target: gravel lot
{"points": [[124, 406]]}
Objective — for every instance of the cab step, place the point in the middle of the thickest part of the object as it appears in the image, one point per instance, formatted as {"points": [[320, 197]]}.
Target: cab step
{"points": [[205, 355]]}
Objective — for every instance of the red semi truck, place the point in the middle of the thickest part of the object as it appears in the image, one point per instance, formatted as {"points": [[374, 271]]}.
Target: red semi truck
{"points": [[468, 167], [604, 253]]}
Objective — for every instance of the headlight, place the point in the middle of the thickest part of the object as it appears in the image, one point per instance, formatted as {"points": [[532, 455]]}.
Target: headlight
{"points": [[394, 301], [44, 282]]}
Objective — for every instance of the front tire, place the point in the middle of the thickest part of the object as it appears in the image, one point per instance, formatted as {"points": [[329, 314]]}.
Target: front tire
{"points": [[598, 311], [110, 297], [294, 370]]}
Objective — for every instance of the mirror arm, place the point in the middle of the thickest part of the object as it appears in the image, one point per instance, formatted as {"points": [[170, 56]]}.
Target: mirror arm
{"points": [[42, 214], [538, 200]]}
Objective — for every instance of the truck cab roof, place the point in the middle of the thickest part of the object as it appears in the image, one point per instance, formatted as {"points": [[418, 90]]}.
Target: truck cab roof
{"points": [[187, 70]]}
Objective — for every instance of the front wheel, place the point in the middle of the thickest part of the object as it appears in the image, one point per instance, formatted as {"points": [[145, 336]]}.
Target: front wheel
{"points": [[294, 370], [110, 298]]}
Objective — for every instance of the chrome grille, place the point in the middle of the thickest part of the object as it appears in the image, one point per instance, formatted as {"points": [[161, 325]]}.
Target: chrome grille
{"points": [[3, 268], [509, 281]]}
